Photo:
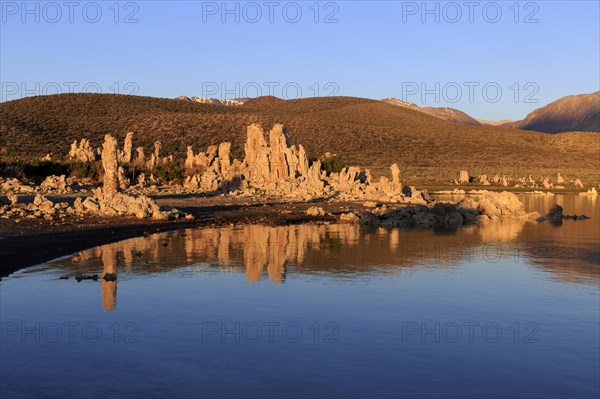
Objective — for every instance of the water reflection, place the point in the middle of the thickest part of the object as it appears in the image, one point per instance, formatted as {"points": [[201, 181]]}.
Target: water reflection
{"points": [[109, 288], [369, 283], [568, 253]]}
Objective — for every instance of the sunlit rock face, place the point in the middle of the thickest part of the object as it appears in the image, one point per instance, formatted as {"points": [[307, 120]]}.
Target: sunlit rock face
{"points": [[110, 201], [544, 182], [82, 152], [273, 166], [463, 177], [110, 165], [279, 166], [56, 184], [125, 155]]}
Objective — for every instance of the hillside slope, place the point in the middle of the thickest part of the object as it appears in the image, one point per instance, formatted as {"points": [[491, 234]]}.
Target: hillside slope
{"points": [[568, 114], [447, 114], [365, 132]]}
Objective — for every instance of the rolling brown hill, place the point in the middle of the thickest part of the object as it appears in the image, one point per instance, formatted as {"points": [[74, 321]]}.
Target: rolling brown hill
{"points": [[447, 114], [568, 114], [365, 132]]}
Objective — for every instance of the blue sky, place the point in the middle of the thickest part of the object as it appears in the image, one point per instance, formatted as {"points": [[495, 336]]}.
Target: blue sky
{"points": [[494, 60]]}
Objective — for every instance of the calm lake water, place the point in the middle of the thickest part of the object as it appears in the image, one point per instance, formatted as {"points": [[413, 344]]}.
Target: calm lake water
{"points": [[497, 310]]}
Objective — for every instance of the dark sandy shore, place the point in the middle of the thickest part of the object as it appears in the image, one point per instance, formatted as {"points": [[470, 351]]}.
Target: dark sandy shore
{"points": [[31, 242]]}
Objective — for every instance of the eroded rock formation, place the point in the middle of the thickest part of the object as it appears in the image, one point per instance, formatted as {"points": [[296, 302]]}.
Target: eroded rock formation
{"points": [[272, 167], [482, 206], [463, 177], [109, 201], [82, 152], [591, 192], [15, 186], [56, 184], [110, 165], [125, 155]]}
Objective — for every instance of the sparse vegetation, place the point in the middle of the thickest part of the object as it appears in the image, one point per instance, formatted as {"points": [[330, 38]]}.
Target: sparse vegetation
{"points": [[34, 170], [333, 163], [170, 172], [85, 170], [369, 133]]}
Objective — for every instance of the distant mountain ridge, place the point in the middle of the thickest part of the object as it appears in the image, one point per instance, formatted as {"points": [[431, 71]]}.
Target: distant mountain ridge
{"points": [[447, 114], [216, 101], [578, 113]]}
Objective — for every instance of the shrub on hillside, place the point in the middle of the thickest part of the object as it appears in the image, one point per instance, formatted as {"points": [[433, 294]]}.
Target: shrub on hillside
{"points": [[85, 170], [133, 170], [168, 172], [43, 169], [9, 170], [332, 163], [36, 170]]}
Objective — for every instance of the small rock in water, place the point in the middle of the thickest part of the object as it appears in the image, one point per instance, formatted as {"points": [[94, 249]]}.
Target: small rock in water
{"points": [[80, 277], [370, 220], [581, 217], [110, 277], [555, 214]]}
